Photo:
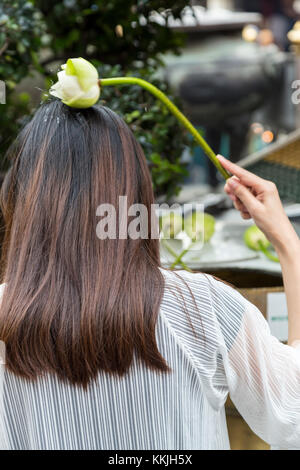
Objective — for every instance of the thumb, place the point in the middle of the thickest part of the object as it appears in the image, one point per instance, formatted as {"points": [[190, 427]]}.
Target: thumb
{"points": [[245, 196]]}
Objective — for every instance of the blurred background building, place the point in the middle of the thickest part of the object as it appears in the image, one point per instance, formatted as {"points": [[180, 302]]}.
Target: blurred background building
{"points": [[235, 75]]}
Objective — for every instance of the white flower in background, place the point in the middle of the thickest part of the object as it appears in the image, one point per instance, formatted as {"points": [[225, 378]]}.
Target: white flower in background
{"points": [[77, 84]]}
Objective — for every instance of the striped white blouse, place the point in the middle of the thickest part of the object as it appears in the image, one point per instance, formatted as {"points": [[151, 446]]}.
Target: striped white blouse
{"points": [[232, 352]]}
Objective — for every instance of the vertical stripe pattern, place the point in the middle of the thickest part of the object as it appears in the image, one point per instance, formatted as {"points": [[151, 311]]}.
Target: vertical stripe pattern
{"points": [[230, 349]]}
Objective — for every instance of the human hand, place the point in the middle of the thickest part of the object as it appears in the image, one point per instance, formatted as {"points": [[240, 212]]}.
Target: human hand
{"points": [[258, 199]]}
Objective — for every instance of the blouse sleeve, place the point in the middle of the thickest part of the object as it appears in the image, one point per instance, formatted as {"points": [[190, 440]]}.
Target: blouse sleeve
{"points": [[262, 374]]}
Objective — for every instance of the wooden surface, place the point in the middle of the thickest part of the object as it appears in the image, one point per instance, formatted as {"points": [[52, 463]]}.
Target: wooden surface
{"points": [[241, 437], [258, 297]]}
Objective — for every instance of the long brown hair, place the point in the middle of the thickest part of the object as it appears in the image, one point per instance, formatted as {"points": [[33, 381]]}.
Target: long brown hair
{"points": [[74, 305]]}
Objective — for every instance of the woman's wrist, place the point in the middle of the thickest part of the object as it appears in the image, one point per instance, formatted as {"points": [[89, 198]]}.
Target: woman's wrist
{"points": [[287, 244]]}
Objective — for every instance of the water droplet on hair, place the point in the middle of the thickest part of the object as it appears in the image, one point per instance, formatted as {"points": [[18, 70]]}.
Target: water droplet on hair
{"points": [[45, 119], [57, 120]]}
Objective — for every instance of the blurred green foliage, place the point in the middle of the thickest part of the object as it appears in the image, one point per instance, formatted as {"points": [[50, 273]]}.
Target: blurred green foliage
{"points": [[119, 38], [21, 29], [113, 31]]}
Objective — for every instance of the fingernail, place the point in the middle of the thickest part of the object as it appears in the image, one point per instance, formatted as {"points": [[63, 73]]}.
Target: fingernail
{"points": [[233, 182]]}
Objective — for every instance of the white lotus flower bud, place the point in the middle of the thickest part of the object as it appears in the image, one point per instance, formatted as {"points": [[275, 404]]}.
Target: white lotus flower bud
{"points": [[77, 84]]}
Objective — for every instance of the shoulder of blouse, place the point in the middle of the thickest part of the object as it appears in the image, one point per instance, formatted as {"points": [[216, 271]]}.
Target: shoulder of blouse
{"points": [[225, 304], [217, 288]]}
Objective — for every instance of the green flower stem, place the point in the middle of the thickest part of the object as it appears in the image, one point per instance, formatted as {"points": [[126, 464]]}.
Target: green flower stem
{"points": [[174, 254], [267, 253], [179, 257], [179, 115]]}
